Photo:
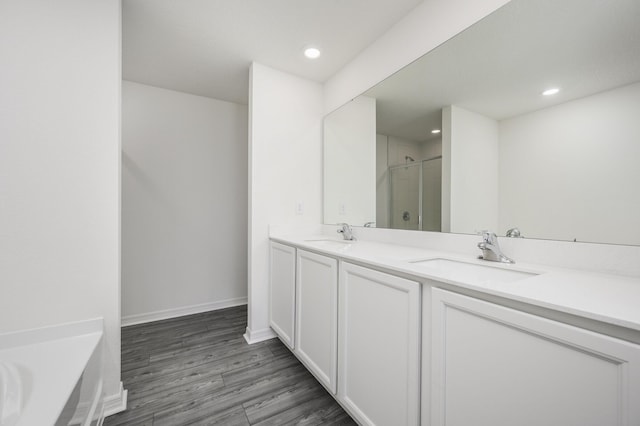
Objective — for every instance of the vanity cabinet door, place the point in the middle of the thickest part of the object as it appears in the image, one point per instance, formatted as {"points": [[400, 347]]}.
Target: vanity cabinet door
{"points": [[379, 347], [282, 292], [496, 366], [317, 316]]}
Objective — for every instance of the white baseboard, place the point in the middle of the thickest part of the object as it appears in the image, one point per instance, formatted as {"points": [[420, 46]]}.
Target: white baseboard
{"points": [[115, 403], [182, 311], [258, 335]]}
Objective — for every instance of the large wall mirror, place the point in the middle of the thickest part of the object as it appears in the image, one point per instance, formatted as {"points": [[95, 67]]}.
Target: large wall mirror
{"points": [[529, 119]]}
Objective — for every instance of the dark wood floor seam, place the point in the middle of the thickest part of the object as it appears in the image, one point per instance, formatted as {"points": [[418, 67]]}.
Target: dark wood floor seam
{"points": [[199, 370]]}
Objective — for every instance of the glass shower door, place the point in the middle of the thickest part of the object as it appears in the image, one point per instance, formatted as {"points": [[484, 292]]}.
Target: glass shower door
{"points": [[432, 195]]}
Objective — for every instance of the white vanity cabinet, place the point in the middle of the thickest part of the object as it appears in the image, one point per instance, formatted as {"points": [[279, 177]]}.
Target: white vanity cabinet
{"points": [[496, 366], [379, 346], [317, 315], [282, 291]]}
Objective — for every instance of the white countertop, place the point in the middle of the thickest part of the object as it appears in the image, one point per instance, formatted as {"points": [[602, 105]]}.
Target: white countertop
{"points": [[607, 298]]}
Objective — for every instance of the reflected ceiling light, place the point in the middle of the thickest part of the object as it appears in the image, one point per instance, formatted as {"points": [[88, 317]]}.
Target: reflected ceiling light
{"points": [[312, 52], [435, 131], [550, 92]]}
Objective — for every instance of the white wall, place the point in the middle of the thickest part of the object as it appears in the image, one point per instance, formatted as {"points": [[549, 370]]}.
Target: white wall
{"points": [[60, 167], [285, 169], [565, 176], [470, 171], [405, 197], [432, 148], [428, 25], [350, 154], [184, 206]]}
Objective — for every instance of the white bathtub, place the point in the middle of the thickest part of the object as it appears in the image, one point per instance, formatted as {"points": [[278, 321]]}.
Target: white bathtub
{"points": [[10, 393], [52, 376]]}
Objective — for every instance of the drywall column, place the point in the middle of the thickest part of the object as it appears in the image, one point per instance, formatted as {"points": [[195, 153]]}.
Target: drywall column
{"points": [[469, 171], [184, 223], [285, 173], [350, 156], [60, 169], [427, 26]]}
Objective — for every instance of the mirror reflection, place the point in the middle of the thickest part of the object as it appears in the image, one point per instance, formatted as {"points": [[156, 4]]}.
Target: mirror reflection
{"points": [[529, 119]]}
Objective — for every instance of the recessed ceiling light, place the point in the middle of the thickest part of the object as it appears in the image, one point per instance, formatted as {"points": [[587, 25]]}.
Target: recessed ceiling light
{"points": [[311, 52], [435, 131], [550, 92]]}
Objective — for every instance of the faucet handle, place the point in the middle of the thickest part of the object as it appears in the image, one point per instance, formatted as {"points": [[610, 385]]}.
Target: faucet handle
{"points": [[488, 236], [485, 233], [514, 233], [346, 231]]}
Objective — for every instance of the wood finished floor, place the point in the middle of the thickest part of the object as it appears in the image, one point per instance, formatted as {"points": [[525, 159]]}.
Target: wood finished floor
{"points": [[199, 370]]}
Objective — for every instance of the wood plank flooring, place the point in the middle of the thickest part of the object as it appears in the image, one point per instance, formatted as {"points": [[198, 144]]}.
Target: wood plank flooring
{"points": [[198, 370]]}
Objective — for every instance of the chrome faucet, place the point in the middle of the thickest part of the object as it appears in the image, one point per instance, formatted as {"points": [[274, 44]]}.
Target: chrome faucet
{"points": [[346, 232], [490, 248], [514, 233]]}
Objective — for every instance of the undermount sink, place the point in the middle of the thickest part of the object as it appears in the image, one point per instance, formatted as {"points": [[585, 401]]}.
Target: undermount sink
{"points": [[328, 243], [470, 272]]}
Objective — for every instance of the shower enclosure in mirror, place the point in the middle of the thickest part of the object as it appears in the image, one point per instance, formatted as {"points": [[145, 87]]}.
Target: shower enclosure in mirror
{"points": [[414, 196], [560, 164]]}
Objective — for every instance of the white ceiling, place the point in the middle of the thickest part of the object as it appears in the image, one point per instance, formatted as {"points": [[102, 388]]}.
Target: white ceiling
{"points": [[205, 47], [500, 66]]}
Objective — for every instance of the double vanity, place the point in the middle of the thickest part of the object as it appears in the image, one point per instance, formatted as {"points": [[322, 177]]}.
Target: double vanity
{"points": [[404, 335], [407, 328]]}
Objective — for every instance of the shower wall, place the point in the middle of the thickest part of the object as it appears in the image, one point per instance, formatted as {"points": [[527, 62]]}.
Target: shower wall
{"points": [[405, 197], [400, 148]]}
